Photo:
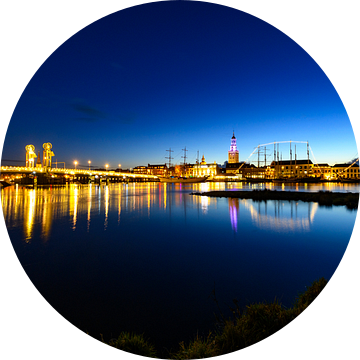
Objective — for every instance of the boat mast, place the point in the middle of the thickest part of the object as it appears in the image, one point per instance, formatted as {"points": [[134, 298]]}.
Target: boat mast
{"points": [[290, 159], [169, 157], [184, 157], [274, 159], [265, 157], [278, 158], [307, 145]]}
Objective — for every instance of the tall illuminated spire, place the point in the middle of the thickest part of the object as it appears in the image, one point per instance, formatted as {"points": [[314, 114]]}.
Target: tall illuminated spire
{"points": [[233, 153]]}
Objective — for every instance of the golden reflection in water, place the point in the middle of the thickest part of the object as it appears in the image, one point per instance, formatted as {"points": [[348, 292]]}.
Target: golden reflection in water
{"points": [[159, 191], [89, 202], [106, 206], [73, 204], [165, 196], [219, 186], [126, 195], [37, 208], [205, 201], [16, 200], [98, 188], [285, 217], [29, 215], [132, 198], [210, 186], [30, 208], [177, 194], [204, 187], [119, 202], [47, 214], [148, 197]]}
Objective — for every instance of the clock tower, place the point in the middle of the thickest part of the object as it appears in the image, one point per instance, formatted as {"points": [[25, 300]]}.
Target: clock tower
{"points": [[233, 153]]}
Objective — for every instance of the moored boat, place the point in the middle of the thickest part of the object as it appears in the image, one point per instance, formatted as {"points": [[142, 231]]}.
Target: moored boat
{"points": [[310, 179], [183, 179], [285, 180], [257, 180], [4, 184], [348, 181]]}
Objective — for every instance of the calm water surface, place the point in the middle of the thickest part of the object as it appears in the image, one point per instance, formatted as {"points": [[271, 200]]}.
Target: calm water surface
{"points": [[146, 258]]}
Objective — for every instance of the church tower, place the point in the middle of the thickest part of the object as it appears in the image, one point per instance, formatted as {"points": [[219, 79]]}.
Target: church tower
{"points": [[38, 161], [233, 153], [203, 162]]}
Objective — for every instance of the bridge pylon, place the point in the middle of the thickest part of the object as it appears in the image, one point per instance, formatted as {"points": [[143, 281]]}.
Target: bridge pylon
{"points": [[47, 154], [30, 155]]}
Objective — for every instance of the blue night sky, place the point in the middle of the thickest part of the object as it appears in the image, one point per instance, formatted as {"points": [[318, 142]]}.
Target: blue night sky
{"points": [[172, 74]]}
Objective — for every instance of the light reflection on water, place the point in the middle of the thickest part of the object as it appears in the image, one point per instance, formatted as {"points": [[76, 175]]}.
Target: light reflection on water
{"points": [[120, 248], [41, 206], [282, 216]]}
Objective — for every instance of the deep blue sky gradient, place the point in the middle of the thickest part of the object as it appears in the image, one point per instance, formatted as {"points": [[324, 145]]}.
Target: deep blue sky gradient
{"points": [[172, 74]]}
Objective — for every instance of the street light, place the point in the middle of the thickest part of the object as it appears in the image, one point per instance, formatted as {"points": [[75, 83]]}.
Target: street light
{"points": [[107, 165], [89, 164], [75, 162]]}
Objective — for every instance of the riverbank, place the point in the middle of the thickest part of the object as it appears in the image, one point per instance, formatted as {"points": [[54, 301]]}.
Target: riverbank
{"points": [[326, 198], [247, 327]]}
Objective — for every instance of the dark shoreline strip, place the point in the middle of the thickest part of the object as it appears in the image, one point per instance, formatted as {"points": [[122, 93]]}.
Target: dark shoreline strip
{"points": [[327, 198]]}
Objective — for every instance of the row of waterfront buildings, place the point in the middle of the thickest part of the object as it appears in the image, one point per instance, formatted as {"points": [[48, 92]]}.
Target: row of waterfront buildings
{"points": [[276, 170], [233, 168]]}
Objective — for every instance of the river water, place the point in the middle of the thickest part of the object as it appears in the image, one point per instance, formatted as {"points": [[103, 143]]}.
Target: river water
{"points": [[148, 257]]}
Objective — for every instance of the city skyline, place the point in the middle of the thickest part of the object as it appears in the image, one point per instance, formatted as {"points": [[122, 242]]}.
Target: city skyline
{"points": [[257, 158], [136, 83]]}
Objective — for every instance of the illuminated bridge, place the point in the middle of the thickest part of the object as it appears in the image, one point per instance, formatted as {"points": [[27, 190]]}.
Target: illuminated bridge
{"points": [[31, 175], [43, 173]]}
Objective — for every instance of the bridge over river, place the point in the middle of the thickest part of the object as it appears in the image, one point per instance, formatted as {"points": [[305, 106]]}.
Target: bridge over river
{"points": [[48, 175], [43, 172]]}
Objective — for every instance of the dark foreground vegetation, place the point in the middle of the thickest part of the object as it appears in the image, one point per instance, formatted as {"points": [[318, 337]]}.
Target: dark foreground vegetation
{"points": [[327, 198], [247, 327]]}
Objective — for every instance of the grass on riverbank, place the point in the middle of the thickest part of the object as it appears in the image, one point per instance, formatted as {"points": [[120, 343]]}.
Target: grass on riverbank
{"points": [[247, 327], [135, 344], [255, 323]]}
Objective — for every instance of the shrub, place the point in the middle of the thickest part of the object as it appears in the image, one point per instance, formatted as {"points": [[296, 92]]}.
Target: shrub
{"points": [[305, 299], [262, 320], [255, 323], [197, 349], [133, 343], [231, 338]]}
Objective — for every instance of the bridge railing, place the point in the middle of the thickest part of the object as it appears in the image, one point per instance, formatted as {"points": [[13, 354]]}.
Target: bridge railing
{"points": [[24, 169], [21, 169]]}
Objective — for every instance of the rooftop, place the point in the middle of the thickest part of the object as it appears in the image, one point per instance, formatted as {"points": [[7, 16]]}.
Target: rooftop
{"points": [[292, 162]]}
